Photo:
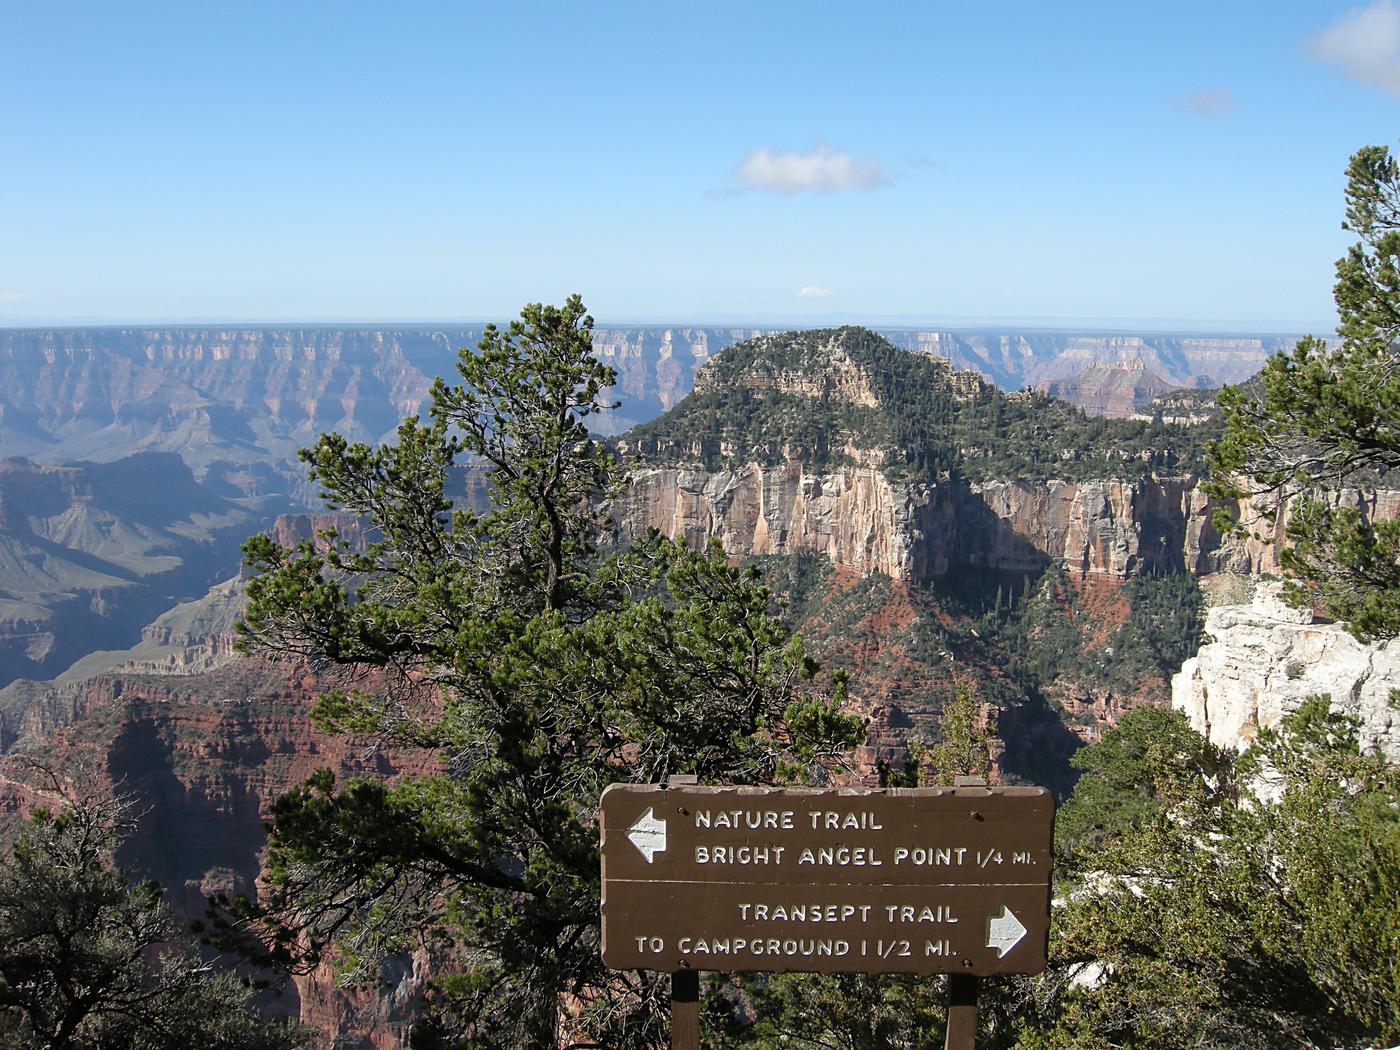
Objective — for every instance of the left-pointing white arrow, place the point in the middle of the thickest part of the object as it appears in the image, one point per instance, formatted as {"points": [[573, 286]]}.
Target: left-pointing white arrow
{"points": [[649, 835], [1004, 931]]}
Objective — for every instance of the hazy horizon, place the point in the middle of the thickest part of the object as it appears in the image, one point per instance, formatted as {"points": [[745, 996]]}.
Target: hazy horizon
{"points": [[1097, 325]]}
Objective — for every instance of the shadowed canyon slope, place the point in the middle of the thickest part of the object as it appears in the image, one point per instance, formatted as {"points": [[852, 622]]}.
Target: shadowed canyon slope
{"points": [[90, 553], [206, 755]]}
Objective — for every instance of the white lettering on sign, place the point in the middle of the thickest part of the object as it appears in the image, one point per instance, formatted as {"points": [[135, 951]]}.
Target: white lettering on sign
{"points": [[840, 856], [835, 820], [931, 856], [739, 854], [762, 820], [826, 881], [914, 913], [803, 912], [763, 946], [886, 949]]}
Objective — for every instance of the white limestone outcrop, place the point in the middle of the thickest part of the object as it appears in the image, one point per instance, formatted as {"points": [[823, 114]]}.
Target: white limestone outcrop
{"points": [[854, 516], [1263, 660]]}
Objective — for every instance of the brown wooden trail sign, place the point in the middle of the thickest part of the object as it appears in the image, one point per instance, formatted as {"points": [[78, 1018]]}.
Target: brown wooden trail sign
{"points": [[900, 880]]}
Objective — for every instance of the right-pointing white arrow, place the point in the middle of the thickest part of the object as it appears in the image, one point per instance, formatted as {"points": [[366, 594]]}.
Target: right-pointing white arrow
{"points": [[648, 834], [1004, 931]]}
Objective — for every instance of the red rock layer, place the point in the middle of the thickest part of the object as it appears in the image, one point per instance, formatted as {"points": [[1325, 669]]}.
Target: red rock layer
{"points": [[205, 756]]}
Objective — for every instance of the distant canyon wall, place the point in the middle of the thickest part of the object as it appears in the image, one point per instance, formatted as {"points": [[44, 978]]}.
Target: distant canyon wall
{"points": [[225, 396], [238, 401], [1014, 360]]}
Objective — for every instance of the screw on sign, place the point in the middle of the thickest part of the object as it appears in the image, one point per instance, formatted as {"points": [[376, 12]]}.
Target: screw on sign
{"points": [[917, 880]]}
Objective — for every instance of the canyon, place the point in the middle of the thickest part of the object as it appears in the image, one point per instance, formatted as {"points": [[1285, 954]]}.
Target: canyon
{"points": [[86, 415], [238, 402], [890, 565], [90, 553], [1120, 517]]}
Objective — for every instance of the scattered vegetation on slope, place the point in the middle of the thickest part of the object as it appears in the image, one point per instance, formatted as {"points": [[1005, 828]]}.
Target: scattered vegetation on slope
{"points": [[1191, 913], [90, 958], [832, 396], [1051, 638]]}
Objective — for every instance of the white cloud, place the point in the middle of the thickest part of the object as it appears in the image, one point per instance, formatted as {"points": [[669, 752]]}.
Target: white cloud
{"points": [[1365, 44], [812, 291], [10, 298], [1212, 105], [823, 170]]}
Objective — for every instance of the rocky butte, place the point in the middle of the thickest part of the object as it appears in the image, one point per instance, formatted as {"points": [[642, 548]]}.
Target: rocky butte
{"points": [[836, 443], [1118, 389]]}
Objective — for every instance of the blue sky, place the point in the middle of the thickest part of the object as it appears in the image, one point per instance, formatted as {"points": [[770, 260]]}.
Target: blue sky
{"points": [[1111, 164]]}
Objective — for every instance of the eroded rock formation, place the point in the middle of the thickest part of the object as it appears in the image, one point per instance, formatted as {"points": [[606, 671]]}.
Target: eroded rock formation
{"points": [[1261, 661], [917, 532], [1119, 388], [91, 552]]}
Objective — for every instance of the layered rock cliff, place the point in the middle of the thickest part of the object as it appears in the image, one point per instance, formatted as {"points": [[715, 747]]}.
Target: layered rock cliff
{"points": [[920, 531], [1263, 660], [1111, 527], [855, 517]]}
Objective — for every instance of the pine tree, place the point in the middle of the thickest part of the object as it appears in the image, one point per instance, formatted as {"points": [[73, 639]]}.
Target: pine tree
{"points": [[1323, 423], [536, 669], [1208, 900], [91, 959]]}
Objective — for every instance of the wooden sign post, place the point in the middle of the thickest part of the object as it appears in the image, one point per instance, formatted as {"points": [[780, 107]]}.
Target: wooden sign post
{"points": [[899, 880]]}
